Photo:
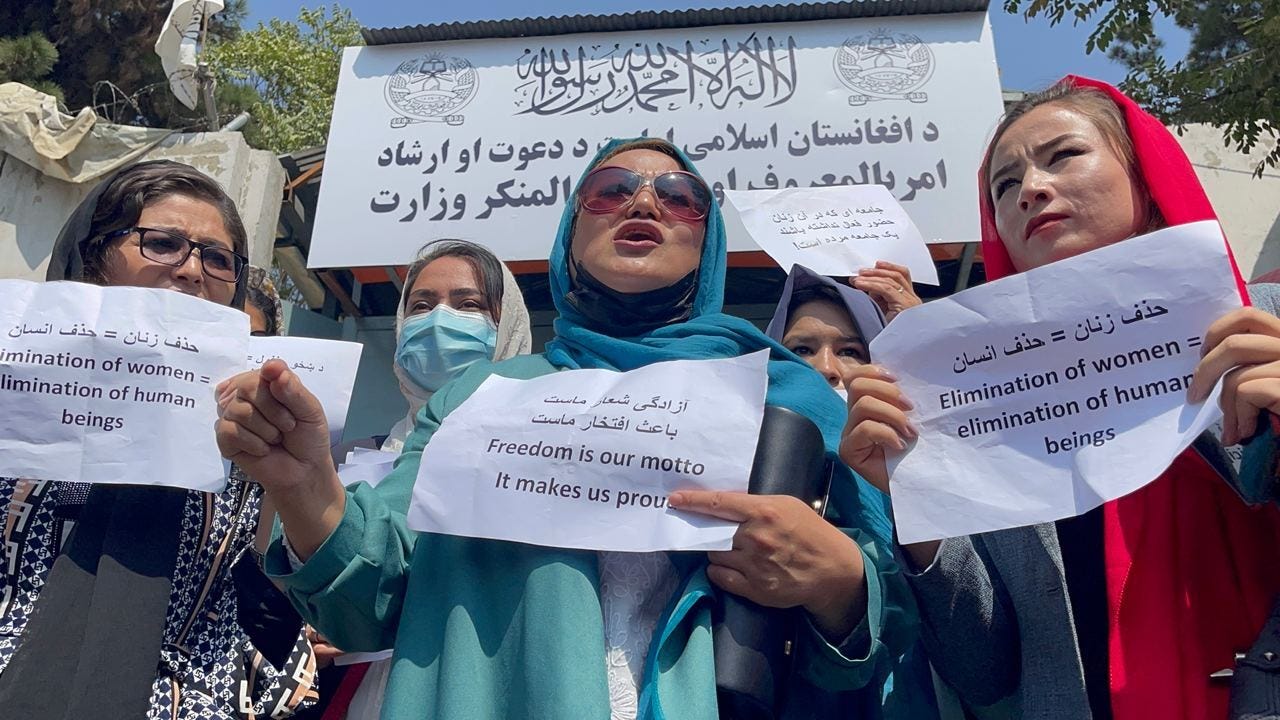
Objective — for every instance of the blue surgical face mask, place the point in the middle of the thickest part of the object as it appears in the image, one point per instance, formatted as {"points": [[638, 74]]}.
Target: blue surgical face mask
{"points": [[436, 347]]}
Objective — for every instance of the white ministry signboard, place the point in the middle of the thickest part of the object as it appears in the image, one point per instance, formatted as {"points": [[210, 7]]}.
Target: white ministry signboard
{"points": [[474, 138]]}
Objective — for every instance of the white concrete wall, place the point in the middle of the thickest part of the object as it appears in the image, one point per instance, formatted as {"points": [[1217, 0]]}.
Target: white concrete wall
{"points": [[33, 207], [1248, 207]]}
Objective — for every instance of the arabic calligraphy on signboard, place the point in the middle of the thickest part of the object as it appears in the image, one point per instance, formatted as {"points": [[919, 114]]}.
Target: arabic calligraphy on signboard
{"points": [[657, 76]]}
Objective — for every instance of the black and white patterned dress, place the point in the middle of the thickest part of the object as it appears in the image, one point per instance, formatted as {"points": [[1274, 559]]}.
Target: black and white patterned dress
{"points": [[208, 667]]}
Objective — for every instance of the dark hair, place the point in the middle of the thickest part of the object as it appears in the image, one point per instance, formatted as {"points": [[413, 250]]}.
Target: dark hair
{"points": [[122, 203], [486, 265], [1099, 109], [260, 293]]}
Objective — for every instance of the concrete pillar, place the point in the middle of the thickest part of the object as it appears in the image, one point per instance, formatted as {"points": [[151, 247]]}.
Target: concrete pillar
{"points": [[1247, 206]]}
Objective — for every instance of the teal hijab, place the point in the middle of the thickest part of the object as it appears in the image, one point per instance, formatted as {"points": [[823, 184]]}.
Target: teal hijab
{"points": [[707, 334]]}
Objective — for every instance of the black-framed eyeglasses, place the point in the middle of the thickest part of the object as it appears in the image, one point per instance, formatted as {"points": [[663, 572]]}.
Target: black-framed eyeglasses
{"points": [[172, 249]]}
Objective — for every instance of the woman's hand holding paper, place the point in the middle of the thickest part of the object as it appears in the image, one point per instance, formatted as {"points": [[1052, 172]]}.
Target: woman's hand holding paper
{"points": [[274, 428], [878, 424], [1243, 347], [785, 555], [889, 285]]}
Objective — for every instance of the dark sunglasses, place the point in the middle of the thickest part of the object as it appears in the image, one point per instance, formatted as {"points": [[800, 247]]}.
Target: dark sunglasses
{"points": [[171, 249], [680, 193]]}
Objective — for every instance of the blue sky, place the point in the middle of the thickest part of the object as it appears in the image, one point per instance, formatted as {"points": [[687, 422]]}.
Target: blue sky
{"points": [[1030, 53]]}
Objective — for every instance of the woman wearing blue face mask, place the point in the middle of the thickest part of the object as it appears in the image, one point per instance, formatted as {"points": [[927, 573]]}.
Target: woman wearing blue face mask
{"points": [[459, 305], [486, 629]]}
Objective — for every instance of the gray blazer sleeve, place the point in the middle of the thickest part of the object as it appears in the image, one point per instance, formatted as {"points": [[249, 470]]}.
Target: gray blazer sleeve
{"points": [[1257, 478], [967, 622], [1266, 296]]}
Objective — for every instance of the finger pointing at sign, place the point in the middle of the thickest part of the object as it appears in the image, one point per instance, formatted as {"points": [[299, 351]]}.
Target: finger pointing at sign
{"points": [[275, 429], [268, 410], [784, 555]]}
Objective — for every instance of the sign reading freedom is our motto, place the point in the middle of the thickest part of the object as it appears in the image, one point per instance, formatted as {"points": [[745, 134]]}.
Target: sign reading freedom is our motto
{"points": [[113, 385], [586, 458], [473, 138]]}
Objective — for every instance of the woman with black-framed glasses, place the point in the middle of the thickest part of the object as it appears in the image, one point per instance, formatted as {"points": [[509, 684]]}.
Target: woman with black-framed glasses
{"points": [[170, 247], [119, 601]]}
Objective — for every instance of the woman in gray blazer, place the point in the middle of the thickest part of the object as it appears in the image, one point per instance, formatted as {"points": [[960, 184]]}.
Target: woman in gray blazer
{"points": [[1126, 611]]}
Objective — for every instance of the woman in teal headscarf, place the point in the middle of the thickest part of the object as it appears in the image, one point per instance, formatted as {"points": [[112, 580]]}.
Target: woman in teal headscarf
{"points": [[486, 629]]}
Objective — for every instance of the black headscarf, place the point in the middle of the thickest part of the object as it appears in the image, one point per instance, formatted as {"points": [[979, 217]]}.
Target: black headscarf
{"points": [[92, 646], [66, 261]]}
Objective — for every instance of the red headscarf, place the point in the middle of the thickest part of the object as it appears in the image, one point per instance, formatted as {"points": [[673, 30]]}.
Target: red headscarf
{"points": [[1190, 570]]}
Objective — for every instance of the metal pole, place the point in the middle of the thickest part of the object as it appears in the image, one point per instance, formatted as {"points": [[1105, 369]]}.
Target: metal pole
{"points": [[394, 277], [204, 76], [206, 88], [966, 265]]}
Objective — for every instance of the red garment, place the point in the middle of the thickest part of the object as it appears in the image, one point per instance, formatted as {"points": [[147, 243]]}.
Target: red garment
{"points": [[340, 703], [1191, 571]]}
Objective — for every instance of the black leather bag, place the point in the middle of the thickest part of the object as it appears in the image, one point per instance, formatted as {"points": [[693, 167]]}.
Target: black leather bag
{"points": [[1255, 685], [752, 643], [1255, 678]]}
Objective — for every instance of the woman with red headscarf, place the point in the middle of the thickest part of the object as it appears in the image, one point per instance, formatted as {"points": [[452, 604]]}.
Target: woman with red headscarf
{"points": [[1124, 612]]}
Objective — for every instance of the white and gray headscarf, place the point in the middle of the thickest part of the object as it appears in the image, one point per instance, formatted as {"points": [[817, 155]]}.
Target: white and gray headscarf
{"points": [[514, 334]]}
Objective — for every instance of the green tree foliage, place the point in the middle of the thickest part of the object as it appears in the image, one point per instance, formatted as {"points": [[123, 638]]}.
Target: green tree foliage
{"points": [[29, 59], [293, 69], [1230, 77], [105, 54]]}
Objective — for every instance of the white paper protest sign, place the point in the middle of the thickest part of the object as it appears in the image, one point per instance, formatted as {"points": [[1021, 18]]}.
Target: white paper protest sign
{"points": [[327, 368], [356, 658], [368, 466], [113, 385], [832, 230], [586, 458], [1042, 395], [369, 456]]}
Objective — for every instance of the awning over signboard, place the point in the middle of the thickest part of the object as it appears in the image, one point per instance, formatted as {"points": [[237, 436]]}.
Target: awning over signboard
{"points": [[665, 19]]}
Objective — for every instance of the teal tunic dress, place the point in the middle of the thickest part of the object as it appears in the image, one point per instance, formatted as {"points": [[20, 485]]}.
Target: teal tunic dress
{"points": [[487, 630]]}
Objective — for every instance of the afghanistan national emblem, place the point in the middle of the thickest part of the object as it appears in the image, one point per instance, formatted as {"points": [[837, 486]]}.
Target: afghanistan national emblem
{"points": [[884, 66], [431, 88]]}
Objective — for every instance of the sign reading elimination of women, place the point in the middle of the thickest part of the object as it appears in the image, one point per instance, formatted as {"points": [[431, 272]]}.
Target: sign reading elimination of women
{"points": [[1044, 394], [586, 458], [113, 385]]}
